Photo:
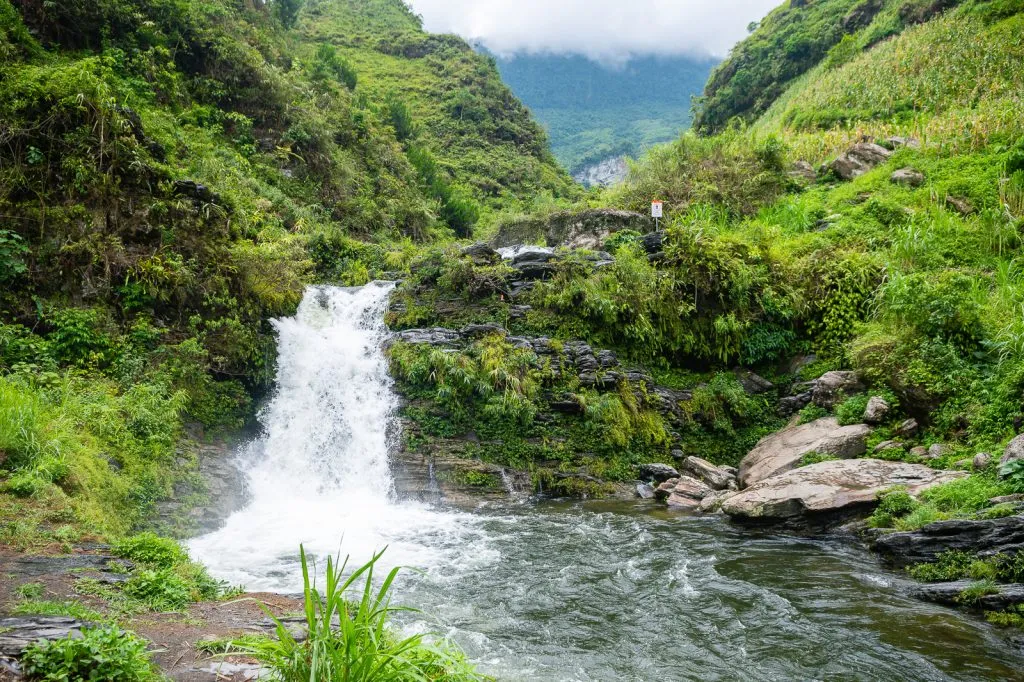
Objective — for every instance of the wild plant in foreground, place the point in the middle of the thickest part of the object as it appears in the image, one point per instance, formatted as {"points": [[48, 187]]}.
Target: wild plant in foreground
{"points": [[351, 641]]}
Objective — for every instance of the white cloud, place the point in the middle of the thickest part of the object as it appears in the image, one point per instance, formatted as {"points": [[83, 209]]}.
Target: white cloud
{"points": [[606, 30]]}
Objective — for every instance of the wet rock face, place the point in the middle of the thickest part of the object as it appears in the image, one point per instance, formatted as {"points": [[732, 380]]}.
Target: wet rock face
{"points": [[1002, 597], [982, 536], [859, 159], [782, 451], [827, 493]]}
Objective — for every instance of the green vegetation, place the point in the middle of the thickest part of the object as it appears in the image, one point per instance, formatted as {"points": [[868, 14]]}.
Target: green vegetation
{"points": [[105, 653], [353, 640], [176, 172]]}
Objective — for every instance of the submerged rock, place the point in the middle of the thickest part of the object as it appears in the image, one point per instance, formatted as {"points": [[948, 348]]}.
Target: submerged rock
{"points": [[827, 493], [782, 451], [976, 536]]}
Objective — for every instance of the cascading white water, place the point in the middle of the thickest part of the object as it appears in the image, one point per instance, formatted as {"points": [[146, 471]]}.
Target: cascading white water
{"points": [[318, 474]]}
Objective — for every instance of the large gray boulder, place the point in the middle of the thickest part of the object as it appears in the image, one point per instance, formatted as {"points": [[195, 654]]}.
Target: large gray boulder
{"points": [[859, 159], [824, 494], [1014, 451], [782, 451]]}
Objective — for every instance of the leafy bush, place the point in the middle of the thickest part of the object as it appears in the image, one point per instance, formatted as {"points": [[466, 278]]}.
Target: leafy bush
{"points": [[107, 654], [851, 410], [893, 506], [352, 640], [152, 550], [159, 589]]}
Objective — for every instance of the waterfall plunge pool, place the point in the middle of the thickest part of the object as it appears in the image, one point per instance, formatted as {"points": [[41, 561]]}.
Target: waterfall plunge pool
{"points": [[561, 591]]}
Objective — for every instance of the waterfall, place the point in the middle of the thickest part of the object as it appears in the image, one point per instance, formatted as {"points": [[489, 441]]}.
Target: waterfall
{"points": [[318, 474]]}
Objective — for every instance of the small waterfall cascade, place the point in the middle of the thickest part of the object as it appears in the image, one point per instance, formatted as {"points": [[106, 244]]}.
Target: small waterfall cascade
{"points": [[319, 472]]}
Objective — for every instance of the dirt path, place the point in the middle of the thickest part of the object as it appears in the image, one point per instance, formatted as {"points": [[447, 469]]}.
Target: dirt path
{"points": [[173, 636]]}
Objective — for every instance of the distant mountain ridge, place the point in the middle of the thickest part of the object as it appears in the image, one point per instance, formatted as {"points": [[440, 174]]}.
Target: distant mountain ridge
{"points": [[594, 112]]}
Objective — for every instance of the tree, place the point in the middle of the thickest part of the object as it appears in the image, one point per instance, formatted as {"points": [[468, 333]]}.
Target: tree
{"points": [[287, 11]]}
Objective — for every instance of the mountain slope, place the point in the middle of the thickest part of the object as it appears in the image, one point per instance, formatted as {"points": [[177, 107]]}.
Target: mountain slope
{"points": [[593, 112]]}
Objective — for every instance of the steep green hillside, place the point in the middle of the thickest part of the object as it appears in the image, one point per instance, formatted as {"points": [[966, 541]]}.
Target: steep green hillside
{"points": [[172, 174], [797, 36]]}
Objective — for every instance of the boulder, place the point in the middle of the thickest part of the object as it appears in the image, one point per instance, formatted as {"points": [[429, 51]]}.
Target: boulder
{"points": [[876, 411], [653, 241], [657, 472], [782, 451], [827, 493], [937, 451], [981, 460], [832, 387], [960, 205], [907, 177], [754, 384], [481, 253], [712, 502], [705, 471], [687, 493], [889, 445], [535, 269], [1014, 451], [526, 253], [919, 451], [802, 171], [896, 142], [859, 159], [975, 536], [908, 428], [645, 491]]}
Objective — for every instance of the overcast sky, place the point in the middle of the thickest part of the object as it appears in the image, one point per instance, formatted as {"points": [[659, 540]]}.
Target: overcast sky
{"points": [[606, 30]]}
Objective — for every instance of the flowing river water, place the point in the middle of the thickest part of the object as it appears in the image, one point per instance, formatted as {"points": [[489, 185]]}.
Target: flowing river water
{"points": [[561, 591]]}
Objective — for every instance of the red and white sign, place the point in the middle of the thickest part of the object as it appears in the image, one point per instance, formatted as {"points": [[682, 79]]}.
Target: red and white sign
{"points": [[656, 207]]}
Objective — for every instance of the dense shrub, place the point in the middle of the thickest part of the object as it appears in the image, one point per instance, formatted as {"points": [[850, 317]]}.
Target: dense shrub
{"points": [[107, 654]]}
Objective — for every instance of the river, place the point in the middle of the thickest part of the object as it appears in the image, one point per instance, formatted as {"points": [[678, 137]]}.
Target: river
{"points": [[561, 591]]}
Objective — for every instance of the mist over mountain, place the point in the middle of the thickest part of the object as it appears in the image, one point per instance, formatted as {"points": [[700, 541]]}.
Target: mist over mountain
{"points": [[594, 112]]}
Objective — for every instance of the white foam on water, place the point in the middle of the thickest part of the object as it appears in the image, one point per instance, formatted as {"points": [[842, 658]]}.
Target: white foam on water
{"points": [[318, 474]]}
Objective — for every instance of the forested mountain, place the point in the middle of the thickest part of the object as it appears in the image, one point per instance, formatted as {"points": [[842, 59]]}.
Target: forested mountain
{"points": [[595, 112]]}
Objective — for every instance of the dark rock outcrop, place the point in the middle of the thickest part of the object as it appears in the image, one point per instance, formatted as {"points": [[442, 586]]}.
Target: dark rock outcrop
{"points": [[17, 633], [982, 536], [952, 594], [576, 229], [657, 472]]}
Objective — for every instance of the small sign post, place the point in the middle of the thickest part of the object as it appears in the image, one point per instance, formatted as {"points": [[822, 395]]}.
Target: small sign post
{"points": [[656, 208]]}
